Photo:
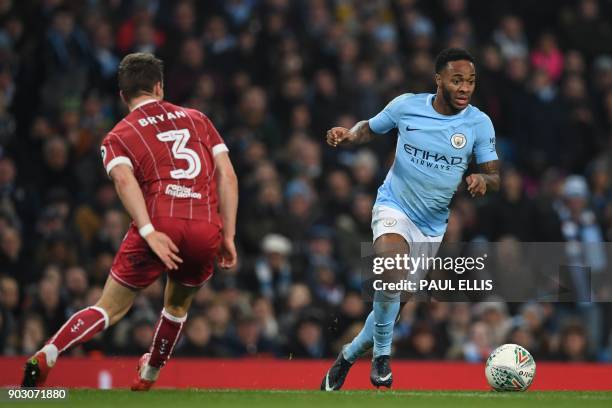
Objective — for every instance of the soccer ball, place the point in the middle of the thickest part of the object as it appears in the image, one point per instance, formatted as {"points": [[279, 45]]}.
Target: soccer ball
{"points": [[510, 367]]}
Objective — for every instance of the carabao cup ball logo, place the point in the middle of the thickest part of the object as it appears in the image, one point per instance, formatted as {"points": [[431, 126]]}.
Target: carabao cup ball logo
{"points": [[458, 140]]}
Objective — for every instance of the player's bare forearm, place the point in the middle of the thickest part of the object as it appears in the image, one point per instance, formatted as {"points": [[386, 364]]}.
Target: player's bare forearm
{"points": [[228, 204], [358, 134], [487, 180], [130, 194], [227, 183], [490, 173], [362, 133], [131, 197]]}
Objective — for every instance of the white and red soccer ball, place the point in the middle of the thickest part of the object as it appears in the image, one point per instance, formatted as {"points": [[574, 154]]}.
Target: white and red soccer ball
{"points": [[510, 367]]}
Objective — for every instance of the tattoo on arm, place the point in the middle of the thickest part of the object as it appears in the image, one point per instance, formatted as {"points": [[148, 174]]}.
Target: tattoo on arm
{"points": [[490, 172], [362, 133]]}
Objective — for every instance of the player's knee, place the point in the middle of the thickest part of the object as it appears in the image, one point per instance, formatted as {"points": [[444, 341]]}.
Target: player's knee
{"points": [[178, 311], [113, 311], [385, 297], [391, 244], [394, 276], [118, 315]]}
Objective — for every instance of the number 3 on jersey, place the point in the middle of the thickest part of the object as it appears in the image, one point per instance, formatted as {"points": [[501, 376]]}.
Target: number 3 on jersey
{"points": [[180, 151]]}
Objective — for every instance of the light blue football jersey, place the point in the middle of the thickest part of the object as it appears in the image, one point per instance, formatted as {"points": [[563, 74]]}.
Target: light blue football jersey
{"points": [[432, 154]]}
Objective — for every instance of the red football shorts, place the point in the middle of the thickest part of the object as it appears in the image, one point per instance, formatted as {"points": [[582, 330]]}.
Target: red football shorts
{"points": [[136, 265]]}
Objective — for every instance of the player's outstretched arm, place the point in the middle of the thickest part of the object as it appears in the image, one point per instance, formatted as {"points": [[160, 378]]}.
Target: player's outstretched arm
{"points": [[487, 180], [130, 194], [227, 183], [358, 134]]}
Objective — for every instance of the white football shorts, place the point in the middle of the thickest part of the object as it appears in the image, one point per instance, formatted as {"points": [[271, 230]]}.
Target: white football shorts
{"points": [[386, 220]]}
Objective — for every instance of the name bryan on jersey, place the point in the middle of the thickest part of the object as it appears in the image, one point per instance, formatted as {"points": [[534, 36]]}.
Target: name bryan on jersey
{"points": [[152, 120]]}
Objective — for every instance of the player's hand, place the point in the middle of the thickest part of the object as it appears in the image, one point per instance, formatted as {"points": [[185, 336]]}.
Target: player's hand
{"points": [[164, 248], [337, 136], [227, 254], [476, 185]]}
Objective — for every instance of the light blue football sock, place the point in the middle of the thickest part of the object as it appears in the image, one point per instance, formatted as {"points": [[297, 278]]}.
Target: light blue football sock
{"points": [[385, 313], [362, 342]]}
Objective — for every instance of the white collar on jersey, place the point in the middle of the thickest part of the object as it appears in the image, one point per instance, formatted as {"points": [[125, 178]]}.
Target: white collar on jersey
{"points": [[146, 101], [428, 101]]}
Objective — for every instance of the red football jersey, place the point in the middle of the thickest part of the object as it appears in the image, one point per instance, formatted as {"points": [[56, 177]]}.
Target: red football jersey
{"points": [[171, 150]]}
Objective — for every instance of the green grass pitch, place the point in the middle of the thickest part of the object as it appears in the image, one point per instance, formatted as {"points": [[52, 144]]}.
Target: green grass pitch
{"points": [[318, 399]]}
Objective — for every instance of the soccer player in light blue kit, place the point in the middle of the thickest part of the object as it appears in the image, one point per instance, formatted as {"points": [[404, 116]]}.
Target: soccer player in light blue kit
{"points": [[438, 135]]}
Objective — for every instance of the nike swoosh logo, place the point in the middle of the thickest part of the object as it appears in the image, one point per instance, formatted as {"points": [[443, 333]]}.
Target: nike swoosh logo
{"points": [[327, 387], [386, 377], [408, 129]]}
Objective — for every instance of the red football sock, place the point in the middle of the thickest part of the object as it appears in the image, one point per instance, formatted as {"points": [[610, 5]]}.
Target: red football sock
{"points": [[81, 327], [167, 332]]}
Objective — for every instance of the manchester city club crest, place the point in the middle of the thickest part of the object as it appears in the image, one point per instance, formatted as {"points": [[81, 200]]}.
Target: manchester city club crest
{"points": [[389, 222], [458, 140]]}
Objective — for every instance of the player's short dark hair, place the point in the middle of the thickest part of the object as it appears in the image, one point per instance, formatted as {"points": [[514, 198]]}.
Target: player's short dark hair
{"points": [[452, 54], [138, 74]]}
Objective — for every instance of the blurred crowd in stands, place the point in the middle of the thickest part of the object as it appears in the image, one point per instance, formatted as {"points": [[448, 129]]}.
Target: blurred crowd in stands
{"points": [[274, 75]]}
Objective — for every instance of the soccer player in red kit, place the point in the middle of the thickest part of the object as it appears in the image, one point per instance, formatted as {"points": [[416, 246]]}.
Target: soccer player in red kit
{"points": [[173, 174]]}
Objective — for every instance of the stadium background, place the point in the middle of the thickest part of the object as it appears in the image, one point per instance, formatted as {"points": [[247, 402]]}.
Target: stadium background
{"points": [[273, 75]]}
